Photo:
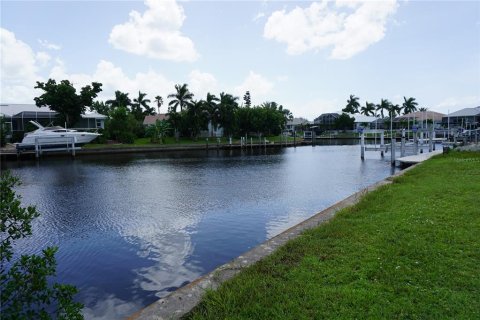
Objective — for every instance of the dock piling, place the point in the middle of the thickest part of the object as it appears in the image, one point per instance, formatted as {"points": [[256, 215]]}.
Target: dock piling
{"points": [[402, 145], [392, 151], [362, 145], [382, 144]]}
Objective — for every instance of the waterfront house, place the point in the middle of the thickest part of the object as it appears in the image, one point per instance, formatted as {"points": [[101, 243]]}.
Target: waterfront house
{"points": [[467, 118], [297, 124], [419, 118], [17, 117], [326, 121], [364, 121], [149, 120]]}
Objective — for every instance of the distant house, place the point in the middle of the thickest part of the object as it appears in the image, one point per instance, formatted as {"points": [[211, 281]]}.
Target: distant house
{"points": [[149, 120], [19, 115], [297, 124], [364, 121], [468, 118], [326, 121], [418, 117]]}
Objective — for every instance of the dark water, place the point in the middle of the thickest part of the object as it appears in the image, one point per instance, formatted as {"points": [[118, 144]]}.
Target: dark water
{"points": [[132, 228]]}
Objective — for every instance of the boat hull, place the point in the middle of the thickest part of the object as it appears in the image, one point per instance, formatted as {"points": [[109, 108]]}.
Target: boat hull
{"points": [[56, 141]]}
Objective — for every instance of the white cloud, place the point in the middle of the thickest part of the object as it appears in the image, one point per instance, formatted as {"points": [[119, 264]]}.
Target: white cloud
{"points": [[113, 78], [49, 45], [314, 108], [155, 33], [43, 58], [201, 83], [258, 16], [18, 59], [19, 66], [349, 26], [259, 87]]}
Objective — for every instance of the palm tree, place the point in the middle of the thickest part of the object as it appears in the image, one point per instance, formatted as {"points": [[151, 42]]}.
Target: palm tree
{"points": [[409, 105], [159, 101], [121, 100], [368, 109], [227, 107], [139, 104], [423, 109], [352, 105], [158, 131], [383, 106], [181, 98], [395, 109], [211, 107], [196, 117]]}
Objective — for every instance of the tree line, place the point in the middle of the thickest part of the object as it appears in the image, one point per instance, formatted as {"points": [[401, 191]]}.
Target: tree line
{"points": [[186, 116], [385, 107]]}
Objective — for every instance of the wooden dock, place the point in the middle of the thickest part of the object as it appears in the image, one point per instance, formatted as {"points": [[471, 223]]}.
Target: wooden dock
{"points": [[418, 158]]}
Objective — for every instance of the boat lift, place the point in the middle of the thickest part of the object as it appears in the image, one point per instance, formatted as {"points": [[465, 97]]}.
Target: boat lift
{"points": [[66, 144], [415, 147]]}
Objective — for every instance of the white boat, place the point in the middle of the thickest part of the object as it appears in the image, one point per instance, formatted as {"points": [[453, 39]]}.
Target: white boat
{"points": [[54, 137]]}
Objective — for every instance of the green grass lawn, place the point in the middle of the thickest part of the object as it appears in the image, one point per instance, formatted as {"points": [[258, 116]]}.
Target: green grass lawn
{"points": [[410, 250]]}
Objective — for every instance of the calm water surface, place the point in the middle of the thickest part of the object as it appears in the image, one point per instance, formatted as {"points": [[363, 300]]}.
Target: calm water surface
{"points": [[132, 228]]}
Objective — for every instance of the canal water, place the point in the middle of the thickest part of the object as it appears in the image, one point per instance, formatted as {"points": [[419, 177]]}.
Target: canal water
{"points": [[132, 228]]}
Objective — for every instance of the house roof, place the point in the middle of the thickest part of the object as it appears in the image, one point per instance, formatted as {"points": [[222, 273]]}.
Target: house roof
{"points": [[360, 118], [421, 116], [16, 108], [467, 112], [297, 121], [333, 114], [13, 109], [148, 120]]}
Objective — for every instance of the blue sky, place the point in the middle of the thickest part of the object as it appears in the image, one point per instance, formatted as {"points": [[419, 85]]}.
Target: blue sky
{"points": [[307, 56]]}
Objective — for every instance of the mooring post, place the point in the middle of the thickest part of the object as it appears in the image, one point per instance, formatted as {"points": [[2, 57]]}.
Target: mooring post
{"points": [[362, 143], [382, 144], [402, 145], [37, 149], [73, 146], [415, 142], [392, 151], [430, 140]]}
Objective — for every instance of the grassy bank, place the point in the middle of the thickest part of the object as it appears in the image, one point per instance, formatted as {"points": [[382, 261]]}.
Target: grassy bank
{"points": [[408, 250], [171, 142]]}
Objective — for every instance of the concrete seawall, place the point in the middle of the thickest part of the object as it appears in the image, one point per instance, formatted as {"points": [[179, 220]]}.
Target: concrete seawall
{"points": [[11, 153], [184, 299]]}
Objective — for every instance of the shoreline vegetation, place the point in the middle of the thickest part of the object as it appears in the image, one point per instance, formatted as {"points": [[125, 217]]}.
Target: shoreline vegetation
{"points": [[407, 250]]}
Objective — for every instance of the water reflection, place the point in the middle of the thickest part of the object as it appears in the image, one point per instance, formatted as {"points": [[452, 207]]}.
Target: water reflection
{"points": [[131, 228]]}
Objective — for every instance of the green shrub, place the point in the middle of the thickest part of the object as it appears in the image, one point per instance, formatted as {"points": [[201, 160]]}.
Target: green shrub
{"points": [[25, 289]]}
